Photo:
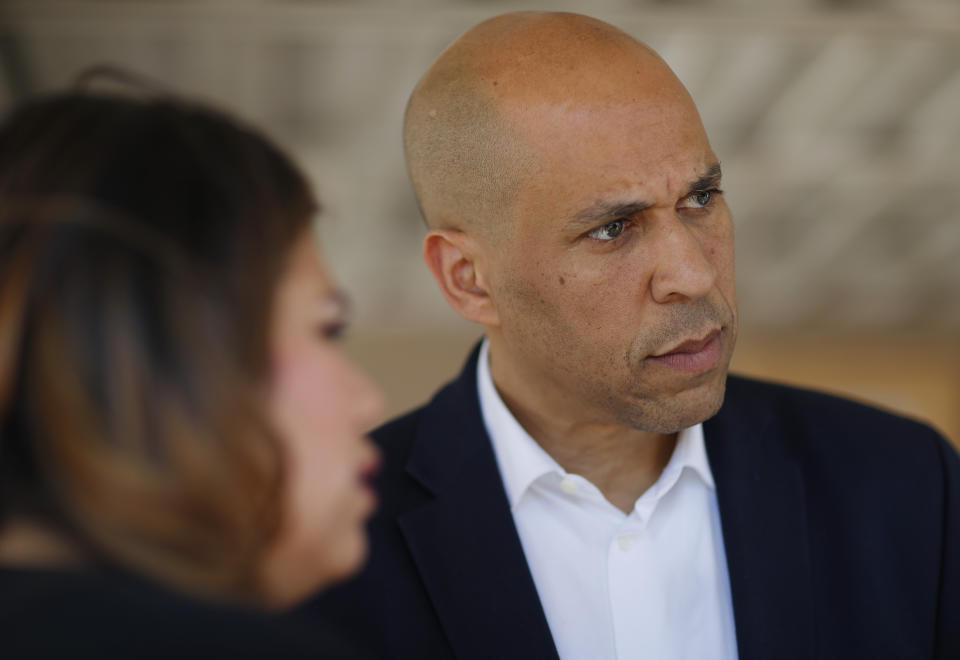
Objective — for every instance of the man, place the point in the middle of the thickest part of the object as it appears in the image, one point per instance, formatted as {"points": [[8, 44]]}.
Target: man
{"points": [[583, 490]]}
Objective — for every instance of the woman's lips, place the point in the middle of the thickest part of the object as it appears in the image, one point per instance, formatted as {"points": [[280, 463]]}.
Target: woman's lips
{"points": [[371, 468], [367, 475], [692, 356]]}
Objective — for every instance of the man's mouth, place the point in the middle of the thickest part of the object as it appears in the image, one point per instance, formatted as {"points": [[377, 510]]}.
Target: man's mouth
{"points": [[693, 355]]}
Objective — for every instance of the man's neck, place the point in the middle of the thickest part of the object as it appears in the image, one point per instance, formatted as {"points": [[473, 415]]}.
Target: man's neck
{"points": [[621, 462]]}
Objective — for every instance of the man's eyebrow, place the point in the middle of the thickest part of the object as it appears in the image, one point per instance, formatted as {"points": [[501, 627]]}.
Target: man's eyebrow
{"points": [[709, 180], [610, 210], [605, 211]]}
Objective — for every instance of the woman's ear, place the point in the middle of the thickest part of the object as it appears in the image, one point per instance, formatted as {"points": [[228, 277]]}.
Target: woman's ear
{"points": [[455, 259]]}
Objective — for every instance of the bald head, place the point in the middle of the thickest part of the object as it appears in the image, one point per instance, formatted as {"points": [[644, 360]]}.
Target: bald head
{"points": [[474, 122]]}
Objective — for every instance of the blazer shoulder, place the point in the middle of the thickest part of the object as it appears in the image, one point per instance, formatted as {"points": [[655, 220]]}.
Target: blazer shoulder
{"points": [[834, 430], [832, 413]]}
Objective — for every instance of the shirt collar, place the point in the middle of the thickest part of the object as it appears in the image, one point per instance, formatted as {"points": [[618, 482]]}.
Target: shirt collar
{"points": [[522, 461]]}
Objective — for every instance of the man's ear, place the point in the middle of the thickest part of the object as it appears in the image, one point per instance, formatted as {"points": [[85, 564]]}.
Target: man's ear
{"points": [[454, 258]]}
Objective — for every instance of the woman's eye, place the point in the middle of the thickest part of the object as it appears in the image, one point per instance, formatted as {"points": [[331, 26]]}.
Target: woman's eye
{"points": [[609, 231], [332, 331]]}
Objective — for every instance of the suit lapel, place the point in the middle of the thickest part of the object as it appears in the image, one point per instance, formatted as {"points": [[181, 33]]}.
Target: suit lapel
{"points": [[757, 469], [464, 542]]}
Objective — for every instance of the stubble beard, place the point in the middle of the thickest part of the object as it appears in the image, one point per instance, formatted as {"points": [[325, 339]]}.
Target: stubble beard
{"points": [[643, 405]]}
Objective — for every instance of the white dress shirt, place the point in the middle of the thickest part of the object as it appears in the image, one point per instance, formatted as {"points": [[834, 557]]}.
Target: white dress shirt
{"points": [[649, 585]]}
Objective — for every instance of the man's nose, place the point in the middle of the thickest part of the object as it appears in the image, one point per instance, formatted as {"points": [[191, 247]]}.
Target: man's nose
{"points": [[683, 268]]}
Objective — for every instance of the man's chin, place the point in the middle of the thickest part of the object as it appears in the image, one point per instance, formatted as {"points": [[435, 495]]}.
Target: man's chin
{"points": [[711, 400], [686, 408]]}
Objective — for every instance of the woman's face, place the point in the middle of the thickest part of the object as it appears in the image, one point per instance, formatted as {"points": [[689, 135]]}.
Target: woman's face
{"points": [[322, 406]]}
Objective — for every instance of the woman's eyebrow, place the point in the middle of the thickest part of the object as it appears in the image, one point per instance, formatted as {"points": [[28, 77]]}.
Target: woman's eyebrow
{"points": [[337, 299]]}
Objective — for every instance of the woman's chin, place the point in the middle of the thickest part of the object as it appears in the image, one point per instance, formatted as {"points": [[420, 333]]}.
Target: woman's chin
{"points": [[349, 559], [288, 581]]}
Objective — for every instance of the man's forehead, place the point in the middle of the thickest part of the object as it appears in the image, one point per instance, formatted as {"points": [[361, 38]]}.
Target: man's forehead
{"points": [[607, 100], [670, 116], [621, 145]]}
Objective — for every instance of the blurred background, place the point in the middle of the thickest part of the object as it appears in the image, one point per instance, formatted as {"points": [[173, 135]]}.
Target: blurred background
{"points": [[837, 121]]}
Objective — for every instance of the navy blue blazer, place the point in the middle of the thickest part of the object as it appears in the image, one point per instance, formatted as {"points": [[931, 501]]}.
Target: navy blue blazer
{"points": [[841, 525]]}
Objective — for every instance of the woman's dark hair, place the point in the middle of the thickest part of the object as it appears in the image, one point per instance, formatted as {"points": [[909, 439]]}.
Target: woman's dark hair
{"points": [[141, 242]]}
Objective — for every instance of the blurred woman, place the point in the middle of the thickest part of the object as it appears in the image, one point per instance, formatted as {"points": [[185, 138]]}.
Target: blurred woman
{"points": [[181, 438]]}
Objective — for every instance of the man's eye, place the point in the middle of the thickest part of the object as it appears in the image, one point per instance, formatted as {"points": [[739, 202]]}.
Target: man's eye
{"points": [[609, 231], [698, 200]]}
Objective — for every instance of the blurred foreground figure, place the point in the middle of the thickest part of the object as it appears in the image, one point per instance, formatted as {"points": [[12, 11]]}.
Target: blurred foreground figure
{"points": [[180, 430], [593, 486]]}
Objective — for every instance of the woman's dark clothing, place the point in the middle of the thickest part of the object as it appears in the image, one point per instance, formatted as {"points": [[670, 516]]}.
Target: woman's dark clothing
{"points": [[62, 613]]}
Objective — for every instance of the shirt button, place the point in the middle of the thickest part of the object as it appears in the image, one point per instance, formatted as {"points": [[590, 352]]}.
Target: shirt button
{"points": [[625, 542], [568, 486]]}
